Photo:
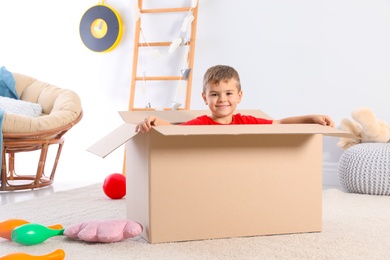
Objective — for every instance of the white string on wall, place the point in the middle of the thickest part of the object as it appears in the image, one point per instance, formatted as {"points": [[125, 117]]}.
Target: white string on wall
{"points": [[182, 40]]}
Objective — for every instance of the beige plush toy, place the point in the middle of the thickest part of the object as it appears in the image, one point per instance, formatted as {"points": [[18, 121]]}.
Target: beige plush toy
{"points": [[366, 127]]}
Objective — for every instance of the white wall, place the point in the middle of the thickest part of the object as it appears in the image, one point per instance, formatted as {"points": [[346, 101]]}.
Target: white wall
{"points": [[294, 57]]}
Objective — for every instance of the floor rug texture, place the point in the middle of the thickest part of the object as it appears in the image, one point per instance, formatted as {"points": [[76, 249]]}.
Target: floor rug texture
{"points": [[355, 226]]}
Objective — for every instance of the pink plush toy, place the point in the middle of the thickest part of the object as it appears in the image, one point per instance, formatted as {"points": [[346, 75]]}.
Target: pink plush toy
{"points": [[104, 231]]}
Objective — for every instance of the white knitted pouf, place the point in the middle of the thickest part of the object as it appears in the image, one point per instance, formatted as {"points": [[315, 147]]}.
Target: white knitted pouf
{"points": [[365, 168]]}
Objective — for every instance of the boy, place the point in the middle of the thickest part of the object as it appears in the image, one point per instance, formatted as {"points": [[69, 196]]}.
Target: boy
{"points": [[222, 93]]}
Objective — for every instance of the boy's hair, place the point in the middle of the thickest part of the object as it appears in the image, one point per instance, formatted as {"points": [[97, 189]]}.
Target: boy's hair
{"points": [[218, 73]]}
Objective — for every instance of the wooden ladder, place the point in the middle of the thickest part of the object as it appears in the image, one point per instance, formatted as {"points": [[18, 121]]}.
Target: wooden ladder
{"points": [[138, 44]]}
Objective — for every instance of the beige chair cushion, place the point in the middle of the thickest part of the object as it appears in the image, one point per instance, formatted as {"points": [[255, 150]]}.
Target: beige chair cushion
{"points": [[59, 106]]}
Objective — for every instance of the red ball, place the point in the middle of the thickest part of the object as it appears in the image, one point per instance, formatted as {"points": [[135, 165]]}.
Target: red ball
{"points": [[114, 186]]}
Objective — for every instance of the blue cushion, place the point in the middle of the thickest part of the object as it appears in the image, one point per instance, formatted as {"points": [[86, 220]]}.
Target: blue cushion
{"points": [[7, 84]]}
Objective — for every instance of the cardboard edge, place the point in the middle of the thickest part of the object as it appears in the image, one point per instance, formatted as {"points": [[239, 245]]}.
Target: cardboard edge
{"points": [[113, 140], [276, 129], [343, 135]]}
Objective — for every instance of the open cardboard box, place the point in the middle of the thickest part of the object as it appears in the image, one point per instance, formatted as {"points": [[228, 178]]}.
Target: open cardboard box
{"points": [[205, 182]]}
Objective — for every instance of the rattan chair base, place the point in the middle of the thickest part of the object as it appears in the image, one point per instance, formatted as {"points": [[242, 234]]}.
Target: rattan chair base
{"points": [[14, 143]]}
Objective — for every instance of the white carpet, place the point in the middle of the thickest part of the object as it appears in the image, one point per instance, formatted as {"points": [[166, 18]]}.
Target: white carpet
{"points": [[354, 227]]}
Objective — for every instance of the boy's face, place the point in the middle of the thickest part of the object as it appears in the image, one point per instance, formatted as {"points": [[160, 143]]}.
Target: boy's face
{"points": [[222, 99]]}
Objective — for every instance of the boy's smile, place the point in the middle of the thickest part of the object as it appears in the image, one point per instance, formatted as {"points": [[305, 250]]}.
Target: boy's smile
{"points": [[222, 99]]}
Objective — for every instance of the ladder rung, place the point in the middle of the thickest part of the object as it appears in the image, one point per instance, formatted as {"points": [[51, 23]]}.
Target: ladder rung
{"points": [[142, 109], [147, 44], [165, 10], [153, 109], [160, 78]]}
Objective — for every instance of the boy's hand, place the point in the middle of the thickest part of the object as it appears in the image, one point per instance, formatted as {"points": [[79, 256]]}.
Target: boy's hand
{"points": [[145, 125], [323, 120]]}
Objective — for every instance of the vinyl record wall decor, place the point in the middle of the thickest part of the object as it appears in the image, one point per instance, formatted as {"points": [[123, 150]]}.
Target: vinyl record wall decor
{"points": [[101, 28]]}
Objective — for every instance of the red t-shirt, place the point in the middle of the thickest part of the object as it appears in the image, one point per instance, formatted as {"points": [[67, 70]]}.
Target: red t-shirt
{"points": [[238, 119]]}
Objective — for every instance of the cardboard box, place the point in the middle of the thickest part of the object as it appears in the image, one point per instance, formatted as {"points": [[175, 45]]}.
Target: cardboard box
{"points": [[205, 182]]}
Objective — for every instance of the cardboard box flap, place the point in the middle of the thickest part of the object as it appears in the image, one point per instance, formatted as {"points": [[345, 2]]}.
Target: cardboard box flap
{"points": [[113, 140], [178, 116], [252, 129], [125, 132]]}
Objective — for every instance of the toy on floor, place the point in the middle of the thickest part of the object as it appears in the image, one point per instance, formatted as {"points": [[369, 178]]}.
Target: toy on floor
{"points": [[7, 226], [366, 127], [58, 254], [104, 231], [114, 186], [32, 234]]}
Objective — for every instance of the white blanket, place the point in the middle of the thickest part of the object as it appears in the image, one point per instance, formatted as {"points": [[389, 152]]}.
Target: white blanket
{"points": [[20, 107]]}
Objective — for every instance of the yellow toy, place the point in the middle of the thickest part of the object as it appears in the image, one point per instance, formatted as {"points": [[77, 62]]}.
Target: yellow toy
{"points": [[366, 127]]}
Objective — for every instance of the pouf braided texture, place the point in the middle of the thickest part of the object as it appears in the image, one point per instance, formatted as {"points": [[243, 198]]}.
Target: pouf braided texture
{"points": [[365, 168]]}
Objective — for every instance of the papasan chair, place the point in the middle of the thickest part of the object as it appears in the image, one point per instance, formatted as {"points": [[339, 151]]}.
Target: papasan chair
{"points": [[60, 111]]}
